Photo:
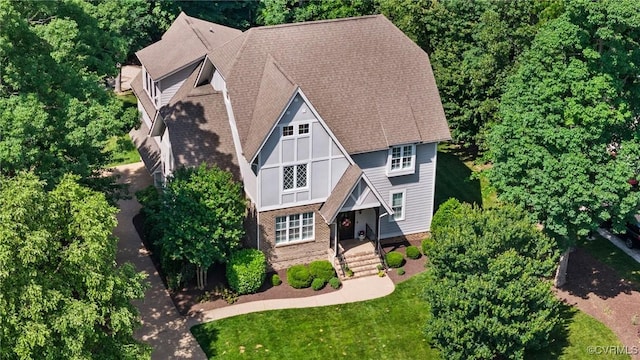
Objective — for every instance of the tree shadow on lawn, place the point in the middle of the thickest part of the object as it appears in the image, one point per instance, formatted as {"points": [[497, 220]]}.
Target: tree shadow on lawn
{"points": [[203, 333], [453, 180]]}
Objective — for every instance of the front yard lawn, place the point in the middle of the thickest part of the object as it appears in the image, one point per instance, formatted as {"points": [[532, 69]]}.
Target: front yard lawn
{"points": [[122, 151], [603, 250], [385, 328]]}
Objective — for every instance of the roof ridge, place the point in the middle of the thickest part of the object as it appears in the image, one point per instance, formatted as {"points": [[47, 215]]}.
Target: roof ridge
{"points": [[302, 23]]}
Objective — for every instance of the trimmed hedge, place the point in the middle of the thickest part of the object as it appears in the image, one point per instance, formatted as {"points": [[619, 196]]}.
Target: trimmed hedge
{"points": [[322, 269], [413, 252], [246, 270], [299, 277], [275, 280], [334, 282], [401, 271], [394, 259], [318, 284]]}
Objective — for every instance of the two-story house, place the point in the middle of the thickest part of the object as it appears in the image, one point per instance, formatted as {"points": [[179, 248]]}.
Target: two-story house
{"points": [[332, 126]]}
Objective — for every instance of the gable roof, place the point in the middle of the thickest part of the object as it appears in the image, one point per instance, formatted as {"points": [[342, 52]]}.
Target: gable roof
{"points": [[370, 83], [345, 186], [199, 129], [185, 42]]}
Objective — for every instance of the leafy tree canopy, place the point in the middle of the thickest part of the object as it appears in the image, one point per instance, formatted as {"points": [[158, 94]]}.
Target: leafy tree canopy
{"points": [[61, 294], [275, 12], [568, 141], [486, 284], [55, 116]]}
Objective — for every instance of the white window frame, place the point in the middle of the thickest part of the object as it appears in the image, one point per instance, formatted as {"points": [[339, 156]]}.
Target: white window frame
{"points": [[403, 170], [295, 177], [287, 229], [403, 207]]}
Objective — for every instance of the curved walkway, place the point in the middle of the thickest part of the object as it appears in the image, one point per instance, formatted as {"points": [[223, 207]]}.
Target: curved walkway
{"points": [[162, 326], [361, 289]]}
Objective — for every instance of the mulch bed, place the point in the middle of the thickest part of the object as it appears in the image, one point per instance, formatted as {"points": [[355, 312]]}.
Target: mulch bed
{"points": [[187, 299], [599, 291]]}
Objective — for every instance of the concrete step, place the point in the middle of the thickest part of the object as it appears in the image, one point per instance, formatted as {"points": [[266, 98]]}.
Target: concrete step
{"points": [[353, 265], [359, 257], [361, 273]]}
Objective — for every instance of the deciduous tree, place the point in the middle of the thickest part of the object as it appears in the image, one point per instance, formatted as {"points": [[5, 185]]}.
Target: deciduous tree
{"points": [[61, 293]]}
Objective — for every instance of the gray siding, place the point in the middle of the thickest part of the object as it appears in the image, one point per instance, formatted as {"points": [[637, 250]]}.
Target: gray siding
{"points": [[419, 189], [170, 85], [325, 162]]}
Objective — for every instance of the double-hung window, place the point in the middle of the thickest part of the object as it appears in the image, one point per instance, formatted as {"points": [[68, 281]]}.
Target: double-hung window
{"points": [[294, 176], [295, 227], [398, 205], [401, 160]]}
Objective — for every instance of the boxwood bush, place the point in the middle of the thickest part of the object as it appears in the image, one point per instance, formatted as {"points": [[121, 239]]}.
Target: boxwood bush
{"points": [[299, 277], [413, 252], [318, 284], [334, 282], [427, 245], [246, 270], [275, 280], [394, 259], [322, 269]]}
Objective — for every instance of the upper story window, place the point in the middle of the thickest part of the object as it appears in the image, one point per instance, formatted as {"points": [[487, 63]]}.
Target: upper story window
{"points": [[151, 87], [287, 130], [401, 160], [303, 129], [290, 130], [294, 177]]}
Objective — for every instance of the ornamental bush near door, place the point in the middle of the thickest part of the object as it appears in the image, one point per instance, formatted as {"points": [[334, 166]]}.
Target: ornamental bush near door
{"points": [[246, 270], [394, 259], [413, 252], [322, 269], [299, 277]]}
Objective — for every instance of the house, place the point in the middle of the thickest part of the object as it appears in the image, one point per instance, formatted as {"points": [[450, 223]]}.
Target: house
{"points": [[332, 126]]}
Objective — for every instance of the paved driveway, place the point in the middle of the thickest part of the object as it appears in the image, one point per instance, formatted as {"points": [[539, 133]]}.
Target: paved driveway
{"points": [[162, 326]]}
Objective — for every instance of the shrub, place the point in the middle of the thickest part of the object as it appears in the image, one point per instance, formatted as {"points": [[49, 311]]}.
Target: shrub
{"points": [[246, 270], [427, 245], [318, 284], [275, 280], [348, 272], [322, 269], [299, 277], [334, 282], [401, 271], [413, 252], [380, 267], [394, 259], [443, 215]]}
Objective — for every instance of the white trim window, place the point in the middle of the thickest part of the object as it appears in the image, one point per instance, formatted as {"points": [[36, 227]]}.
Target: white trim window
{"points": [[295, 227], [294, 177], [401, 160], [397, 199]]}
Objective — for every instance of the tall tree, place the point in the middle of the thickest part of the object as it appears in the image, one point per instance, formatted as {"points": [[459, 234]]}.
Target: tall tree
{"points": [[275, 12], [487, 290], [202, 218], [568, 142], [55, 114], [61, 294]]}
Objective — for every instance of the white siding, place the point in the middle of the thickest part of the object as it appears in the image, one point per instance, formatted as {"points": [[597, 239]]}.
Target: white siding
{"points": [[325, 162], [419, 188], [170, 85]]}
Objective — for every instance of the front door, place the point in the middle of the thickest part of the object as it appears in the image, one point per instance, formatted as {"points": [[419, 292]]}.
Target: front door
{"points": [[346, 225]]}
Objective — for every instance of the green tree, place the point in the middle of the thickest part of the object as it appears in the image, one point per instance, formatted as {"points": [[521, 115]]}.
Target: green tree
{"points": [[55, 115], [487, 290], [202, 218], [61, 293], [275, 12], [568, 141]]}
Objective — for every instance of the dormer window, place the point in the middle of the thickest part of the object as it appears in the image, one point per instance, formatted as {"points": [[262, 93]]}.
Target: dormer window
{"points": [[401, 160]]}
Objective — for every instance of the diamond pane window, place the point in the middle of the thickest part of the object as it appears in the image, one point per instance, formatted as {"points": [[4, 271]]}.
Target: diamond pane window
{"points": [[301, 175], [287, 177]]}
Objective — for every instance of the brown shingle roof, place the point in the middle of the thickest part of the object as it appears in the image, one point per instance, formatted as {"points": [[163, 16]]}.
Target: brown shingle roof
{"points": [[199, 127], [147, 105], [147, 147], [371, 84], [338, 196], [186, 41]]}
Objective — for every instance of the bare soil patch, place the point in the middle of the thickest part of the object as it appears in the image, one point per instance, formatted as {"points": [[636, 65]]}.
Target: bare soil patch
{"points": [[598, 290], [411, 266]]}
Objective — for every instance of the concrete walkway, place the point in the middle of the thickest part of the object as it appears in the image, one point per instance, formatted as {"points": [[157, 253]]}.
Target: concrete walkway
{"points": [[355, 290], [162, 326], [634, 253]]}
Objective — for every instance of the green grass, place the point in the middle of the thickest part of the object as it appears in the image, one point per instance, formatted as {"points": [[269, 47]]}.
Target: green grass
{"points": [[122, 151], [603, 250], [385, 328], [459, 177]]}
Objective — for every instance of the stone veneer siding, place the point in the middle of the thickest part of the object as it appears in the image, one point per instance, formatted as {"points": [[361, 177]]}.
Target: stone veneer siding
{"points": [[285, 255]]}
